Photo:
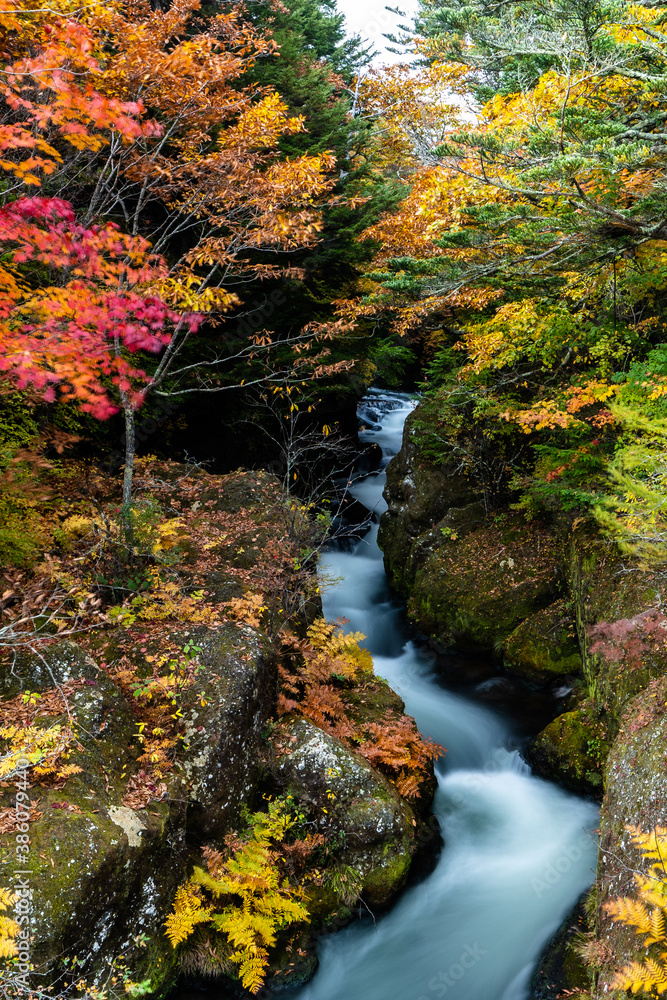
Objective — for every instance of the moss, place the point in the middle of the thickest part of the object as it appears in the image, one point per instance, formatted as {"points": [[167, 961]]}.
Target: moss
{"points": [[353, 804], [572, 750], [621, 650], [636, 794], [388, 875], [473, 592], [544, 647]]}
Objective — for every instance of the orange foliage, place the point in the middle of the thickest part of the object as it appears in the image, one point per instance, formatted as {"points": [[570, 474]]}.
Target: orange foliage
{"points": [[314, 675]]}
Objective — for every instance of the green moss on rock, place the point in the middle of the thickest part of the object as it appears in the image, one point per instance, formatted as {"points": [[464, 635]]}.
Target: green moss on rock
{"points": [[636, 794], [572, 750], [474, 591], [544, 647], [621, 629], [352, 802]]}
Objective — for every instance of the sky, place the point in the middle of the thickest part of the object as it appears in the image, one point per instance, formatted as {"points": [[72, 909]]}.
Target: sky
{"points": [[371, 20]]}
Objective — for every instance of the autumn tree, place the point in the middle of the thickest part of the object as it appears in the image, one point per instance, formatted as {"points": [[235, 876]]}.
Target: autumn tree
{"points": [[192, 166], [533, 260]]}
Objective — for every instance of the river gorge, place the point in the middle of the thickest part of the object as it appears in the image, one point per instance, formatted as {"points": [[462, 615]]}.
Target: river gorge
{"points": [[518, 851]]}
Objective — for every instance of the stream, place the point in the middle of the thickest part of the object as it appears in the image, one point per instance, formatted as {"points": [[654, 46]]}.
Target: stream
{"points": [[518, 850]]}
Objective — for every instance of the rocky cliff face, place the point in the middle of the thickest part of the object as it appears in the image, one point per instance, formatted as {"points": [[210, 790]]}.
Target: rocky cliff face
{"points": [[109, 845], [561, 607]]}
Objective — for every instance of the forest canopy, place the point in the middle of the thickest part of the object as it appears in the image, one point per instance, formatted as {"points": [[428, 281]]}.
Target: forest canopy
{"points": [[529, 257]]}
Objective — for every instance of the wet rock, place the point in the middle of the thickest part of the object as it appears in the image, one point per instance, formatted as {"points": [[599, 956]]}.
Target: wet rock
{"points": [[572, 750], [352, 802], [560, 966], [544, 647], [636, 794], [370, 459], [622, 630], [354, 512]]}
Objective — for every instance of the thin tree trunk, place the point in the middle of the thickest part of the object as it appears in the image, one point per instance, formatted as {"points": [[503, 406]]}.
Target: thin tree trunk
{"points": [[130, 447]]}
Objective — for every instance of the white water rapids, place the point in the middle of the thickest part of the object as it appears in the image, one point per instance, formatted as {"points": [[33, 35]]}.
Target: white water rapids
{"points": [[518, 850]]}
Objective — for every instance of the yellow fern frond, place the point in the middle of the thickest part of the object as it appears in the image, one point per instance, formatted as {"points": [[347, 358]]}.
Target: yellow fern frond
{"points": [[7, 898], [657, 934], [189, 911], [631, 912], [9, 929], [252, 967]]}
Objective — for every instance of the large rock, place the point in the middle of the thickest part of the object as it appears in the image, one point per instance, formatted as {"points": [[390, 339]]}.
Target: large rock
{"points": [[622, 630], [418, 494], [472, 592], [470, 579], [104, 874], [572, 750], [636, 794], [544, 647], [352, 801]]}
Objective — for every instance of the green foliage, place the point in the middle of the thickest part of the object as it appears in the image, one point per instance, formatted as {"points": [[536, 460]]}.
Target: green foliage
{"points": [[392, 362], [23, 532]]}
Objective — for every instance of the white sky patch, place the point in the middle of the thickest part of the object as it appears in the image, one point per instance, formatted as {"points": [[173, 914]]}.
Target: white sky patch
{"points": [[371, 20]]}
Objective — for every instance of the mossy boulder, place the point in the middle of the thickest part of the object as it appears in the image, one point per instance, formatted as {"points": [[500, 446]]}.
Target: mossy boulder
{"points": [[419, 494], [472, 592], [636, 794], [544, 647], [572, 750], [373, 701], [622, 630], [352, 802], [104, 873]]}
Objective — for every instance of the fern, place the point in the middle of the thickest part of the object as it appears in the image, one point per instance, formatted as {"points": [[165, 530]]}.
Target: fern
{"points": [[9, 929], [646, 914], [401, 751], [188, 912], [250, 902], [311, 682]]}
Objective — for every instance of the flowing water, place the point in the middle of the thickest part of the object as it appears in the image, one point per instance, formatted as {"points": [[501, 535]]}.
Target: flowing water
{"points": [[518, 850]]}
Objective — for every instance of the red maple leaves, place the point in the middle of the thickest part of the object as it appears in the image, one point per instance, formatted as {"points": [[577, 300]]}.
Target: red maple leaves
{"points": [[74, 335]]}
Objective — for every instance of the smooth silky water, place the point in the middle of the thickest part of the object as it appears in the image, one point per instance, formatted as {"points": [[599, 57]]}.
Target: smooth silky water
{"points": [[518, 850]]}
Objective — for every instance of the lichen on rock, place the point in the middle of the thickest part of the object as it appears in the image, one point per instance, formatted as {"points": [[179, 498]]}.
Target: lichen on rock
{"points": [[357, 806]]}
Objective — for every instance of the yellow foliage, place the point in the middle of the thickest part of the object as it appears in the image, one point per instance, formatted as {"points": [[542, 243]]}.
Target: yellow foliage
{"points": [[189, 911], [77, 526], [247, 609], [166, 600], [329, 639], [250, 900], [646, 914], [46, 751], [9, 929], [168, 535]]}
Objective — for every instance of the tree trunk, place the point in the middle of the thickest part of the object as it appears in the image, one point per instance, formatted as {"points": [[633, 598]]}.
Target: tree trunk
{"points": [[130, 444], [127, 527]]}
